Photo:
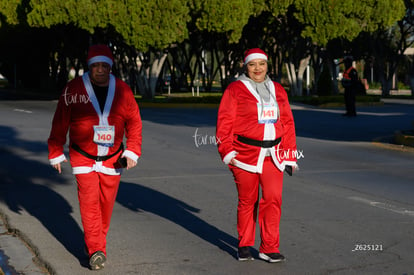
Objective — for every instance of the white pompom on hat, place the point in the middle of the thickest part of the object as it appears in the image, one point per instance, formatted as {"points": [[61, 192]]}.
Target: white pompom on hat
{"points": [[255, 53], [100, 53]]}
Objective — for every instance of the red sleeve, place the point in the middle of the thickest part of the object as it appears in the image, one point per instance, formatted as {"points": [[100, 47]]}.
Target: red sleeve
{"points": [[133, 124], [60, 126], [225, 121], [286, 118]]}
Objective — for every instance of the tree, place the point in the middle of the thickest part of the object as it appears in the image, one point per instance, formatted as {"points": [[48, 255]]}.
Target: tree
{"points": [[386, 48], [408, 22], [151, 27], [10, 11], [148, 26], [215, 25], [144, 33], [325, 21], [296, 50]]}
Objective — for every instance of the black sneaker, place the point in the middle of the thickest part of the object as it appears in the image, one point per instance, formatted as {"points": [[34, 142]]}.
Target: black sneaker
{"points": [[272, 257], [97, 260], [243, 254]]}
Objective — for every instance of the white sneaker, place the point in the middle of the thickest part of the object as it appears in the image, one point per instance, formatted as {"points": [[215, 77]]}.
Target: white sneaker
{"points": [[272, 257]]}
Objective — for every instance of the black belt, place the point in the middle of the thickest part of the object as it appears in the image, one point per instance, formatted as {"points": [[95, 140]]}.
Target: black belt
{"points": [[259, 143], [97, 158]]}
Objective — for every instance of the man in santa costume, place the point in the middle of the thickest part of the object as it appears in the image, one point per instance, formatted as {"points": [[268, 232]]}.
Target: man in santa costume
{"points": [[256, 138], [97, 109]]}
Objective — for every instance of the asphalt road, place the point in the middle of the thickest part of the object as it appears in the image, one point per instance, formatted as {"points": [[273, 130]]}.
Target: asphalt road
{"points": [[349, 210]]}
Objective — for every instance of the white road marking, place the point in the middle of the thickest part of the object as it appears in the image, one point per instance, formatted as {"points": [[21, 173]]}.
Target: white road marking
{"points": [[385, 206], [23, 111]]}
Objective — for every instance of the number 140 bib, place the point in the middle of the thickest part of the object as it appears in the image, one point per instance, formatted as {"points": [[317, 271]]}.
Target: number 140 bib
{"points": [[104, 135]]}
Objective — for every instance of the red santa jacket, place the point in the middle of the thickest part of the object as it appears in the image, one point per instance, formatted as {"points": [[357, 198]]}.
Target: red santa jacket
{"points": [[238, 116], [78, 112]]}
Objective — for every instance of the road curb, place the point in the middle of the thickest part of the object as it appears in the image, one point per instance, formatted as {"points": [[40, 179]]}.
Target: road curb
{"points": [[385, 142], [404, 138], [21, 256]]}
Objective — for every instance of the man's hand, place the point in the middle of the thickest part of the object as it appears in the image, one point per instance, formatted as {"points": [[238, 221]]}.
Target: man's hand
{"points": [[130, 163], [58, 166]]}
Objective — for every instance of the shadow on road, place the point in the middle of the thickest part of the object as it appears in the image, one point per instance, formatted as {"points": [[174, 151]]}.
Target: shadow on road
{"points": [[311, 122], [196, 117], [26, 185], [370, 123], [140, 198]]}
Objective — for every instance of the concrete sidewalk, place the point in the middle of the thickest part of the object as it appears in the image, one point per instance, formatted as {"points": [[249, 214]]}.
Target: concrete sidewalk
{"points": [[16, 256]]}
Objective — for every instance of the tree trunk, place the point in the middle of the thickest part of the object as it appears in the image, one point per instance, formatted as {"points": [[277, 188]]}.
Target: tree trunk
{"points": [[155, 71], [303, 64], [290, 67], [296, 76], [149, 73]]}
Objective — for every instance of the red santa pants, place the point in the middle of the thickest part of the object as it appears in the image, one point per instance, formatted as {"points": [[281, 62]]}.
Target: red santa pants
{"points": [[96, 194], [271, 183]]}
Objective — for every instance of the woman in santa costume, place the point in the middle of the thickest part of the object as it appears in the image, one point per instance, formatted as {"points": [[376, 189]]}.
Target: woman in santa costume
{"points": [[256, 138], [97, 109]]}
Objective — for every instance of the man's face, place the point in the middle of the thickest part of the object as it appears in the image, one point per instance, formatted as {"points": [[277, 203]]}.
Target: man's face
{"points": [[257, 69], [99, 73]]}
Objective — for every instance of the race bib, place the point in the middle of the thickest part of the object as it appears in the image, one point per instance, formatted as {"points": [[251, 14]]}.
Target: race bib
{"points": [[267, 113], [104, 135]]}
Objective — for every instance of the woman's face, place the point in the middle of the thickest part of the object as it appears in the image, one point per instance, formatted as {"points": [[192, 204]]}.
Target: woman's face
{"points": [[257, 69]]}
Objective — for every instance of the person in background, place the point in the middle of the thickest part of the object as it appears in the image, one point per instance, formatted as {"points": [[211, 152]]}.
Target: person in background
{"points": [[256, 139], [97, 109], [349, 82]]}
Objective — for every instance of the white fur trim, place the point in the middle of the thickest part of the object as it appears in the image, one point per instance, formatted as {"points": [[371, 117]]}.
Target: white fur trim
{"points": [[229, 157], [97, 168], [100, 58], [290, 163], [130, 155], [251, 89], [245, 166], [254, 56], [103, 116], [57, 160]]}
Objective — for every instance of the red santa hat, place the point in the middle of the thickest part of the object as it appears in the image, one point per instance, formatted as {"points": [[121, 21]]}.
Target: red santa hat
{"points": [[100, 53], [255, 53]]}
